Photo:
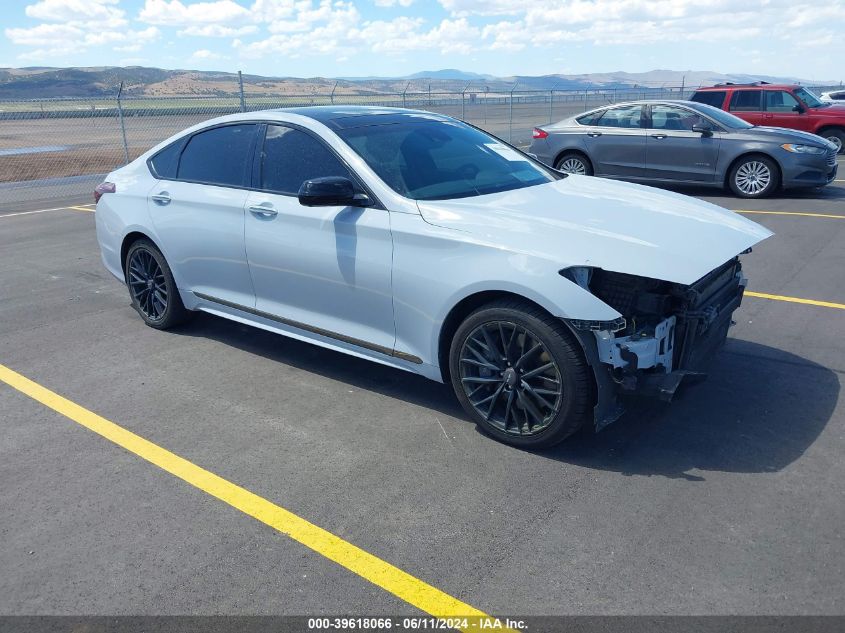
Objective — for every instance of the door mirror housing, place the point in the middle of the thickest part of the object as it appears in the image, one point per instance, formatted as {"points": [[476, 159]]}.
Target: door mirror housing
{"points": [[798, 108], [331, 191], [703, 129]]}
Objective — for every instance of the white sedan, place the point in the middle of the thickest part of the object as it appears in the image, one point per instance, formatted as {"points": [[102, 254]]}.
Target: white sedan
{"points": [[835, 96], [420, 242]]}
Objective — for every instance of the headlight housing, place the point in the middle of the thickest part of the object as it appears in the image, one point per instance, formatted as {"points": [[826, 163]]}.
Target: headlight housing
{"points": [[798, 148]]}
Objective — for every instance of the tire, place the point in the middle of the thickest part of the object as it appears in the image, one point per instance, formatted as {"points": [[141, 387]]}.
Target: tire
{"points": [[492, 390], [836, 136], [152, 288], [574, 163], [754, 176]]}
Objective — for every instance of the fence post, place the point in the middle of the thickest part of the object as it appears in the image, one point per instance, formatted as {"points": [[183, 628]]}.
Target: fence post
{"points": [[122, 124], [486, 97], [241, 90], [510, 114], [404, 92], [331, 97]]}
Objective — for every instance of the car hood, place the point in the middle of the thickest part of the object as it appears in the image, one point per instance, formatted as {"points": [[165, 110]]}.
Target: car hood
{"points": [[588, 221], [783, 135]]}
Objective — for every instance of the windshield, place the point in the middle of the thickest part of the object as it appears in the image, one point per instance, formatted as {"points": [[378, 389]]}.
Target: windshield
{"points": [[726, 119], [809, 99], [429, 159]]}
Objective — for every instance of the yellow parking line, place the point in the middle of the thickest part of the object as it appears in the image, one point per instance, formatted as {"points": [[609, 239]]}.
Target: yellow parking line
{"points": [[82, 209], [379, 572], [812, 302], [804, 213]]}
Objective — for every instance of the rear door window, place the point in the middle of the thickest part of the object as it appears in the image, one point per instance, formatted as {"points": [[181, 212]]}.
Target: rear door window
{"points": [[219, 156], [626, 117], [746, 101], [713, 98], [591, 118], [164, 163]]}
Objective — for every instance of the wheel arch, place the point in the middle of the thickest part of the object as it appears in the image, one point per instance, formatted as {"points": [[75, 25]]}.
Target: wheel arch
{"points": [[128, 240], [466, 306], [573, 150], [748, 154]]}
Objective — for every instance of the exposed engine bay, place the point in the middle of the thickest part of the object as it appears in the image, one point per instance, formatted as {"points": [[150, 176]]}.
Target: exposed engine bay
{"points": [[668, 332]]}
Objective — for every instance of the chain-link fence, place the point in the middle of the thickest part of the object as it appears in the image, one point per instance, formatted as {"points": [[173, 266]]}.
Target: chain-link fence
{"points": [[60, 148]]}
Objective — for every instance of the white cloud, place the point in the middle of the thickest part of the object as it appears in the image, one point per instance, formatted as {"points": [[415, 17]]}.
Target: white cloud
{"points": [[393, 3], [204, 55], [175, 13], [103, 12], [216, 30]]}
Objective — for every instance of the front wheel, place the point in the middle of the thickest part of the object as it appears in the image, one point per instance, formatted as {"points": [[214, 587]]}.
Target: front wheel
{"points": [[152, 287], [520, 375], [753, 177], [837, 137]]}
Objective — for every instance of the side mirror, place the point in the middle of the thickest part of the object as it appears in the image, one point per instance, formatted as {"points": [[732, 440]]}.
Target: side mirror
{"points": [[703, 129], [798, 108], [332, 191]]}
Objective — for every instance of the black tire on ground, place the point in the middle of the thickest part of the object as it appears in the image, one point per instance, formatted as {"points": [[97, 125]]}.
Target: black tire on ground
{"points": [[569, 160], [480, 367], [837, 134], [754, 176], [148, 265]]}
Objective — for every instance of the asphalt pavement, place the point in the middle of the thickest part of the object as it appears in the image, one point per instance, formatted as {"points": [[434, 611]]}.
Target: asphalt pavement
{"points": [[727, 501]]}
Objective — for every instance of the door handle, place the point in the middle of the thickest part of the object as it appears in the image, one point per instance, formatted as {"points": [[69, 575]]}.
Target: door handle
{"points": [[264, 210], [162, 198], [594, 134], [658, 136]]}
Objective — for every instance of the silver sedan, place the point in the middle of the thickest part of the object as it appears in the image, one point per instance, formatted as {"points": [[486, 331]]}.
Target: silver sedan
{"points": [[688, 143]]}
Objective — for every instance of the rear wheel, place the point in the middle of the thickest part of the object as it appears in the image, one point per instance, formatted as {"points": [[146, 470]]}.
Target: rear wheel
{"points": [[837, 137], [152, 287], [753, 177], [574, 163], [520, 375]]}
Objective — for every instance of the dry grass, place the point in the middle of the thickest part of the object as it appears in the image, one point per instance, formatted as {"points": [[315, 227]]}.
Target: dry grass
{"points": [[77, 162]]}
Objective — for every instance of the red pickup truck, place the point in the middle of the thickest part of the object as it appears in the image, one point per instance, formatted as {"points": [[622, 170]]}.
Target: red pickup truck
{"points": [[788, 106]]}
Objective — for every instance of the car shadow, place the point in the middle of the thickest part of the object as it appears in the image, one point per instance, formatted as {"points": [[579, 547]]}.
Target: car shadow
{"points": [[758, 411]]}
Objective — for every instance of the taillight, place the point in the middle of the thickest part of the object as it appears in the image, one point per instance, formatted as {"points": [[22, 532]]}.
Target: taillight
{"points": [[538, 133], [103, 187]]}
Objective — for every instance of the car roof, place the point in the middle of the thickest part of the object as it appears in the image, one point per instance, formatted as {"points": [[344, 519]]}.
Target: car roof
{"points": [[754, 86], [343, 117]]}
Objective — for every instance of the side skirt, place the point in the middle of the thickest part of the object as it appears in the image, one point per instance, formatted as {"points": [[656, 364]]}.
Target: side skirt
{"points": [[314, 330]]}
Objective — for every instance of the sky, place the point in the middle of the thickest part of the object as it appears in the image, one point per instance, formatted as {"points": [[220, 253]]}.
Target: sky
{"points": [[342, 38]]}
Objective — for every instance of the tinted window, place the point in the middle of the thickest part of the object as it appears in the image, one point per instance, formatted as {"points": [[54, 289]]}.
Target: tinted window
{"points": [[809, 98], [627, 117], [838, 96], [745, 101], [590, 119], [431, 159], [780, 101], [715, 98], [219, 156], [165, 162], [672, 118], [290, 157]]}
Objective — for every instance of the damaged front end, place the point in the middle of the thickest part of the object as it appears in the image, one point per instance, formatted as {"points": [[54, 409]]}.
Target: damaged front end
{"points": [[667, 334]]}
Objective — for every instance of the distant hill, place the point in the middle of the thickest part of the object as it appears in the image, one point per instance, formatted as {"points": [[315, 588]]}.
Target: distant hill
{"points": [[41, 82]]}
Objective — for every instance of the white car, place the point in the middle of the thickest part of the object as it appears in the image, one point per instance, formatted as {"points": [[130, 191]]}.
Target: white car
{"points": [[420, 242], [835, 96]]}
